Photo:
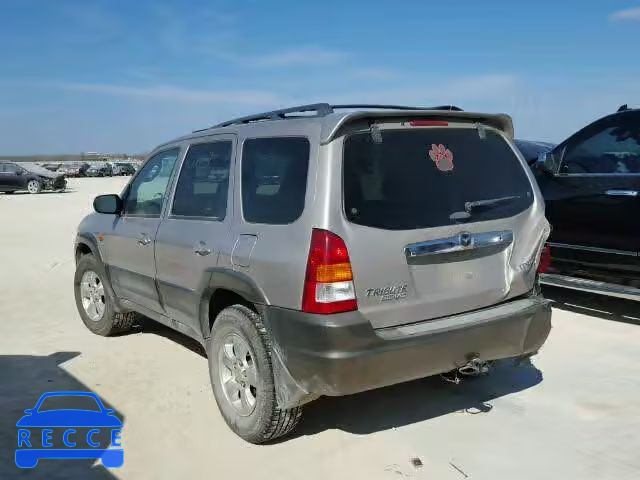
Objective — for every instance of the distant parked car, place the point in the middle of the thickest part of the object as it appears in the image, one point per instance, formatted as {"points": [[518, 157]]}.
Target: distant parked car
{"points": [[122, 168], [53, 167], [30, 177], [591, 186], [100, 170], [531, 150], [74, 169]]}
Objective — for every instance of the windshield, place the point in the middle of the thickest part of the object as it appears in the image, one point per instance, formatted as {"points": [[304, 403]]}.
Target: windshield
{"points": [[418, 178]]}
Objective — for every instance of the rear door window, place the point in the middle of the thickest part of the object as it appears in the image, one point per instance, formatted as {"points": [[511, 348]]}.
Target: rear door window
{"points": [[274, 179], [421, 178]]}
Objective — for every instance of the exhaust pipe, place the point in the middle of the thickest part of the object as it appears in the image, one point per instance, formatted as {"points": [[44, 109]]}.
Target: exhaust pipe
{"points": [[473, 368]]}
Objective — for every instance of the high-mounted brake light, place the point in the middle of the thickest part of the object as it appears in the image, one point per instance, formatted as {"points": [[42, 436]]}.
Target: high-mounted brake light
{"points": [[328, 285], [428, 123], [545, 259]]}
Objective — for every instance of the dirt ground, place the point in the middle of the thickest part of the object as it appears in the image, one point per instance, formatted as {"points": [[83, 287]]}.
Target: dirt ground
{"points": [[573, 414]]}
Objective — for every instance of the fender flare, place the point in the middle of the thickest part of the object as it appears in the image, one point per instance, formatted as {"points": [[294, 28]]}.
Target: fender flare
{"points": [[234, 281], [90, 241]]}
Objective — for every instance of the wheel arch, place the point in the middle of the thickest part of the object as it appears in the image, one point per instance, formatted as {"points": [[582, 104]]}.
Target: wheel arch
{"points": [[228, 287], [86, 244]]}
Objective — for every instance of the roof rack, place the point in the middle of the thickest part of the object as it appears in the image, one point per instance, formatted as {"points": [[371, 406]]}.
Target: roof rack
{"points": [[319, 110]]}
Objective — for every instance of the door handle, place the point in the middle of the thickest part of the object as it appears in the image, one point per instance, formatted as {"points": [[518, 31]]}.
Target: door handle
{"points": [[622, 193], [143, 239], [202, 249]]}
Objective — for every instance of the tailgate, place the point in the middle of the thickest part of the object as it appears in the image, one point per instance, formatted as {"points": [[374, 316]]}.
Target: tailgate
{"points": [[433, 218]]}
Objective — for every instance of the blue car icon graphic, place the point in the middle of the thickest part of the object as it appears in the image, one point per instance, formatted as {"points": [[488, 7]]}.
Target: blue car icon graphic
{"points": [[29, 452]]}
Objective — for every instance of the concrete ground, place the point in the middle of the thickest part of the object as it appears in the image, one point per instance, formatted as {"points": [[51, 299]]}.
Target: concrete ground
{"points": [[573, 415]]}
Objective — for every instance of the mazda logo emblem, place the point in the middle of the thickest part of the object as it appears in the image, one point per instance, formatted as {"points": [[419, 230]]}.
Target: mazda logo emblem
{"points": [[466, 239]]}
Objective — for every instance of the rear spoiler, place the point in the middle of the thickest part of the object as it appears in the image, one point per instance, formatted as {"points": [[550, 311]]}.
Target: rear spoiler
{"points": [[500, 121]]}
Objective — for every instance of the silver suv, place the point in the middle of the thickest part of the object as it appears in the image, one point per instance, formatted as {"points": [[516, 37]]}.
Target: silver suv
{"points": [[322, 252]]}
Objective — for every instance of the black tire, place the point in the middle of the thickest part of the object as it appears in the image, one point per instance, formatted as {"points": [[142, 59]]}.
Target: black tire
{"points": [[267, 421], [111, 322]]}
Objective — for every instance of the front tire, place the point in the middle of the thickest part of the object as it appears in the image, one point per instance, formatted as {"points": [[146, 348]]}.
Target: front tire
{"points": [[93, 301], [34, 186], [240, 367]]}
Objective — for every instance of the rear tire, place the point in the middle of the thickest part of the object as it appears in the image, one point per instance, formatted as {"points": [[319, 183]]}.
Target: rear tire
{"points": [[103, 320], [263, 420]]}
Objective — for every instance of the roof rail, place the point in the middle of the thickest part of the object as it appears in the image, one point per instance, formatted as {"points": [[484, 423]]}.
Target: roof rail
{"points": [[321, 110]]}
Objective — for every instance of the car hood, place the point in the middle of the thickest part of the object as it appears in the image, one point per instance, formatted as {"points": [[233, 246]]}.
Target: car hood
{"points": [[40, 171], [69, 418]]}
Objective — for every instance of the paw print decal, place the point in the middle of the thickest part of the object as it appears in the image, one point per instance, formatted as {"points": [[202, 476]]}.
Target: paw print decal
{"points": [[442, 156]]}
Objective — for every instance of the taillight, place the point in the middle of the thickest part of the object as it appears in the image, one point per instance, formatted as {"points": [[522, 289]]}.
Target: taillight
{"points": [[545, 259], [328, 285]]}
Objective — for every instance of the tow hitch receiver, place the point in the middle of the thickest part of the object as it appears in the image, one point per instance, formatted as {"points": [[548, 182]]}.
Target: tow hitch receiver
{"points": [[473, 368]]}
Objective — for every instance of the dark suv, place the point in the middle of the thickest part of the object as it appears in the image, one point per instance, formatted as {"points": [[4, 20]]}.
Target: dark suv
{"points": [[318, 252], [591, 186]]}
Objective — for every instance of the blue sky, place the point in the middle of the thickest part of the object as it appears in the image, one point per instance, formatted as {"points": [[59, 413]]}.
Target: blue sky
{"points": [[117, 75]]}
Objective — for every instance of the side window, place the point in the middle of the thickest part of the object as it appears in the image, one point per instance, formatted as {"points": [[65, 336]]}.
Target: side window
{"points": [[612, 150], [274, 179], [10, 168], [147, 191], [203, 184]]}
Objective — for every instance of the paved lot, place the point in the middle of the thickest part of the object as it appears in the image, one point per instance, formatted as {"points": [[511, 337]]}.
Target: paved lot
{"points": [[573, 415]]}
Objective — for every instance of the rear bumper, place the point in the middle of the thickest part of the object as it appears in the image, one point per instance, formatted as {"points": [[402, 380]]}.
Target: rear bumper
{"points": [[342, 354]]}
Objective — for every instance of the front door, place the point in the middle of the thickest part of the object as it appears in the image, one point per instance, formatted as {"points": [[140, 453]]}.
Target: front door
{"points": [[594, 201], [130, 243], [196, 228], [10, 180]]}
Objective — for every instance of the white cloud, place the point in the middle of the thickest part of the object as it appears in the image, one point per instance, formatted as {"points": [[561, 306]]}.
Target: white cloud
{"points": [[294, 57], [435, 91], [629, 14], [180, 94]]}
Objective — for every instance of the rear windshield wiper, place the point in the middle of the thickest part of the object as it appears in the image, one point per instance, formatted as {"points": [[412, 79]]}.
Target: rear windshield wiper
{"points": [[470, 206]]}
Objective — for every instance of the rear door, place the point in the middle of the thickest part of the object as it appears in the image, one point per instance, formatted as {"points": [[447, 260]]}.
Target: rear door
{"points": [[420, 248], [594, 200], [130, 242], [196, 229]]}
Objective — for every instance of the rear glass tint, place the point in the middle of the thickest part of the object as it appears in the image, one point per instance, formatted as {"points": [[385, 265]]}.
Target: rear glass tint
{"points": [[274, 179], [418, 178]]}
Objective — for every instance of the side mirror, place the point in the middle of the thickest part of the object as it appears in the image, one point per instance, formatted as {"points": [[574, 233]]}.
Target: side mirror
{"points": [[19, 172], [547, 163], [109, 204]]}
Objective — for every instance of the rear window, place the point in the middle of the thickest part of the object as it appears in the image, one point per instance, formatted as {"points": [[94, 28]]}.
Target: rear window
{"points": [[411, 179], [274, 179]]}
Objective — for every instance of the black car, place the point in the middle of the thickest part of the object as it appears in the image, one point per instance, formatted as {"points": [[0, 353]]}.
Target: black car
{"points": [[531, 150], [30, 177], [74, 169], [591, 187], [124, 169], [99, 170]]}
